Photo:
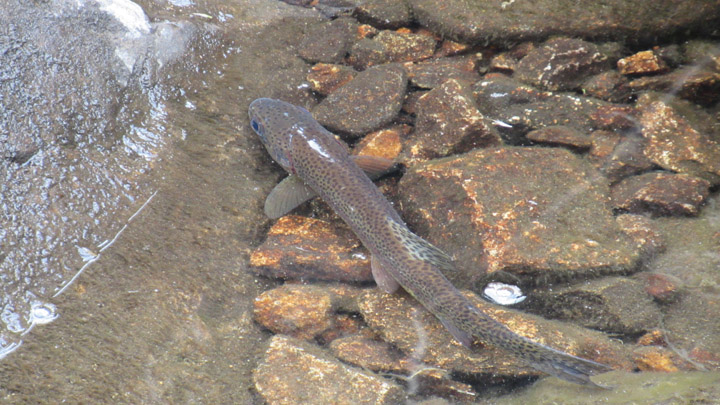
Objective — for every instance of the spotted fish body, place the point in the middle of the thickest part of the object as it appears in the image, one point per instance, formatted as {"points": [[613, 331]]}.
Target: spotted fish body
{"points": [[305, 149]]}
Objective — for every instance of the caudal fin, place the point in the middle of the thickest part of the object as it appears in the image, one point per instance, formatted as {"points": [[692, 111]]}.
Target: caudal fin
{"points": [[566, 366]]}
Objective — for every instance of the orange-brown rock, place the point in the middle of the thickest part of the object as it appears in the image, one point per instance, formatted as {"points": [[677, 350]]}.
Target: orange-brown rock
{"points": [[325, 78], [386, 143], [306, 248], [293, 371], [644, 62]]}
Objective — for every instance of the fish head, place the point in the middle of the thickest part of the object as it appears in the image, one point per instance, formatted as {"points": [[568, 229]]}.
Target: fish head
{"points": [[276, 122]]}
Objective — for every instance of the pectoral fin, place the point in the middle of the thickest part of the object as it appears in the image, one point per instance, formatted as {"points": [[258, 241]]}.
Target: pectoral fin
{"points": [[286, 196], [292, 191], [381, 276]]}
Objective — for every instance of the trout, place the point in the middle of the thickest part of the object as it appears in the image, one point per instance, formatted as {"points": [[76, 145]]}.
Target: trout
{"points": [[320, 165]]}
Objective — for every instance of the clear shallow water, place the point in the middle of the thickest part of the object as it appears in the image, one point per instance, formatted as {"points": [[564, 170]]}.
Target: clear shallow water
{"points": [[162, 312], [155, 301]]}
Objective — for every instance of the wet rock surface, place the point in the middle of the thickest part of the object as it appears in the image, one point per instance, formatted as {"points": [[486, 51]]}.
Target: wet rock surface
{"points": [[503, 23], [411, 328], [561, 64], [368, 102], [448, 121], [306, 311], [618, 156], [661, 194], [329, 41], [519, 108], [281, 377], [311, 249], [644, 232], [325, 78], [79, 140], [560, 135], [678, 138], [613, 304], [174, 311], [391, 46], [645, 62], [434, 72], [627, 388], [609, 86], [385, 14], [509, 197], [700, 86]]}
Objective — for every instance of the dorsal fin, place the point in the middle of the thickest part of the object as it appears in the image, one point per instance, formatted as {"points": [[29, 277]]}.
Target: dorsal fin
{"points": [[421, 249]]}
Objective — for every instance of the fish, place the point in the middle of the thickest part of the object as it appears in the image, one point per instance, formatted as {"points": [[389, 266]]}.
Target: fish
{"points": [[320, 165]]}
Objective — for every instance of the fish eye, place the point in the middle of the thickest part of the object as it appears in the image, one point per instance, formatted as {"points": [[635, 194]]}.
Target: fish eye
{"points": [[258, 128], [255, 125]]}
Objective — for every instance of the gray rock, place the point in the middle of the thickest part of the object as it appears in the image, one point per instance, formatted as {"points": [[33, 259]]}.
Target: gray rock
{"points": [[293, 372], [507, 22], [627, 388], [538, 213], [680, 138], [609, 86], [367, 103], [561, 135], [701, 86], [328, 41], [618, 156], [518, 109], [403, 322], [561, 64], [434, 72], [661, 193], [386, 14], [613, 304], [391, 46], [448, 121]]}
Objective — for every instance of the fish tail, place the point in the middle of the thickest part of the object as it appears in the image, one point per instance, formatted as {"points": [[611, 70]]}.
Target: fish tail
{"points": [[563, 365]]}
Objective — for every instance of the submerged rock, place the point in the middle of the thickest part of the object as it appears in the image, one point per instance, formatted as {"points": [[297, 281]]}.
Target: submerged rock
{"points": [[293, 371], [304, 311], [311, 249], [391, 46], [613, 304], [325, 78], [701, 86], [645, 62], [561, 64], [367, 103], [648, 238], [537, 213], [661, 193], [328, 41], [679, 138], [508, 22], [561, 135], [627, 388], [517, 108], [386, 14], [448, 121], [407, 325], [609, 86], [434, 72], [618, 156]]}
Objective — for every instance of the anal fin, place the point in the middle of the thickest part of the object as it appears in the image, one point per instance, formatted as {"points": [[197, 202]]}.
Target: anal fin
{"points": [[384, 280], [459, 335]]}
